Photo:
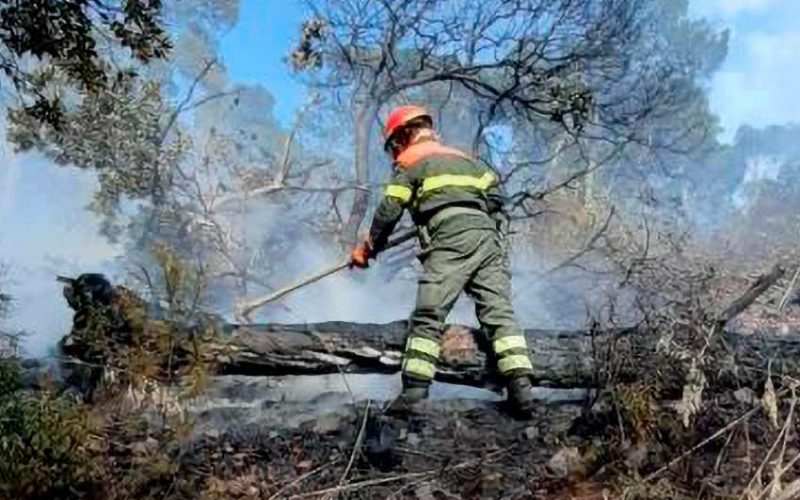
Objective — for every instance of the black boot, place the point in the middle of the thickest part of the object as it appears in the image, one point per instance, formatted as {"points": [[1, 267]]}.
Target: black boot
{"points": [[520, 399], [408, 401]]}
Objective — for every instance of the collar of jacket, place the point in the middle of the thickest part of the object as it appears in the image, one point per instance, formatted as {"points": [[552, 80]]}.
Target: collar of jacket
{"points": [[425, 149]]}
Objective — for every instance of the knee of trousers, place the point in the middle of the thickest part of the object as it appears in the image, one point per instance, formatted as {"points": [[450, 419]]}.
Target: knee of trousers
{"points": [[427, 322]]}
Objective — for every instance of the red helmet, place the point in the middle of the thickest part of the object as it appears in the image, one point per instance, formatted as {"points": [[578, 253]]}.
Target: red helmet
{"points": [[402, 115]]}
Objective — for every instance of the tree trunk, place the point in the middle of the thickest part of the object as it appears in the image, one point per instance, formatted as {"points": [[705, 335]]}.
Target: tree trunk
{"points": [[560, 358], [363, 127]]}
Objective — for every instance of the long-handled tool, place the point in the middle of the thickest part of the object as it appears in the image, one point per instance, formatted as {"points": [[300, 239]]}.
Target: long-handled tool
{"points": [[246, 307]]}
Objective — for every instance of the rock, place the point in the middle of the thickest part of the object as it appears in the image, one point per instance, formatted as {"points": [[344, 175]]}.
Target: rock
{"points": [[564, 461], [144, 447], [328, 423], [531, 432], [138, 448], [745, 395], [636, 455], [492, 485], [424, 492]]}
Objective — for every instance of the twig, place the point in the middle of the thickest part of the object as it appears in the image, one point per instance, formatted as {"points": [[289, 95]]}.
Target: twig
{"points": [[701, 444], [778, 476], [587, 247], [357, 446], [721, 453], [364, 484], [789, 290], [761, 285], [411, 451], [301, 478], [733, 423], [763, 464], [400, 477], [783, 436]]}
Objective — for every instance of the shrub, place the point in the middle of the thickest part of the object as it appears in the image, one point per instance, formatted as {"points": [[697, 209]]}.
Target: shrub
{"points": [[10, 376], [44, 440]]}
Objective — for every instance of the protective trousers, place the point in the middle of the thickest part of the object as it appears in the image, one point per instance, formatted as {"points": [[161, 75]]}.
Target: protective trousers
{"points": [[473, 260]]}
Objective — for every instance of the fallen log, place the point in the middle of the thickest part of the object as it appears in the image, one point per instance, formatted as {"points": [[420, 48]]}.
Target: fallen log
{"points": [[563, 359]]}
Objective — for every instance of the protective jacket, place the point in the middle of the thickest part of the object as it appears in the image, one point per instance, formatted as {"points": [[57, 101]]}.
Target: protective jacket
{"points": [[429, 177]]}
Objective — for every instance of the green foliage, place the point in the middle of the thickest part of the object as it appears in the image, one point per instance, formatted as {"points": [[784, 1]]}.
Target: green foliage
{"points": [[10, 376], [114, 331], [138, 458], [52, 446], [63, 36], [44, 445], [118, 133]]}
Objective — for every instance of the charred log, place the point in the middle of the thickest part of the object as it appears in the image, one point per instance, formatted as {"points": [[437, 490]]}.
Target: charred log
{"points": [[564, 359]]}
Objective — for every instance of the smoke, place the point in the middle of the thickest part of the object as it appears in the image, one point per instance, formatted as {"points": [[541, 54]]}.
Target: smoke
{"points": [[380, 294], [45, 230]]}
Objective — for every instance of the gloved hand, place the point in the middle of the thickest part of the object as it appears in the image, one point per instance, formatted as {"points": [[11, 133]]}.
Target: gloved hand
{"points": [[361, 254]]}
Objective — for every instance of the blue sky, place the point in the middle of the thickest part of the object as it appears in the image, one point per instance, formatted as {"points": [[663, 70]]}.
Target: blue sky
{"points": [[254, 50], [758, 84]]}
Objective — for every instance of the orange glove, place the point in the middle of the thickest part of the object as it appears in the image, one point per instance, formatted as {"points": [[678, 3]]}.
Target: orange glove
{"points": [[361, 254]]}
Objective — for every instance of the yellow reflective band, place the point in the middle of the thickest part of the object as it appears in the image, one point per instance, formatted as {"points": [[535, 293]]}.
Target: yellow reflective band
{"points": [[439, 181], [504, 344], [420, 368], [514, 362], [425, 346], [401, 192]]}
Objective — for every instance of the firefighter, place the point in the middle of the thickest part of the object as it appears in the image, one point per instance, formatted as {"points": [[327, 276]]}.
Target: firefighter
{"points": [[456, 203]]}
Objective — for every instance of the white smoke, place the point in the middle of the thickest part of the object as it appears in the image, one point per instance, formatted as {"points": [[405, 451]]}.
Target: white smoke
{"points": [[45, 230]]}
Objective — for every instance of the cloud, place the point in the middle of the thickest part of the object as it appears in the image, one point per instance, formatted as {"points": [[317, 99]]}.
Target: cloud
{"points": [[730, 8], [762, 89]]}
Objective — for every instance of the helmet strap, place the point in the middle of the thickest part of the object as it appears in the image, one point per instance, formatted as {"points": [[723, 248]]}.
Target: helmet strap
{"points": [[407, 137], [423, 135]]}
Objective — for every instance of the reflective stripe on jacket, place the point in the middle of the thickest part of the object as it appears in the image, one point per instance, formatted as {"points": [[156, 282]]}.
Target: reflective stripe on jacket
{"points": [[429, 176]]}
